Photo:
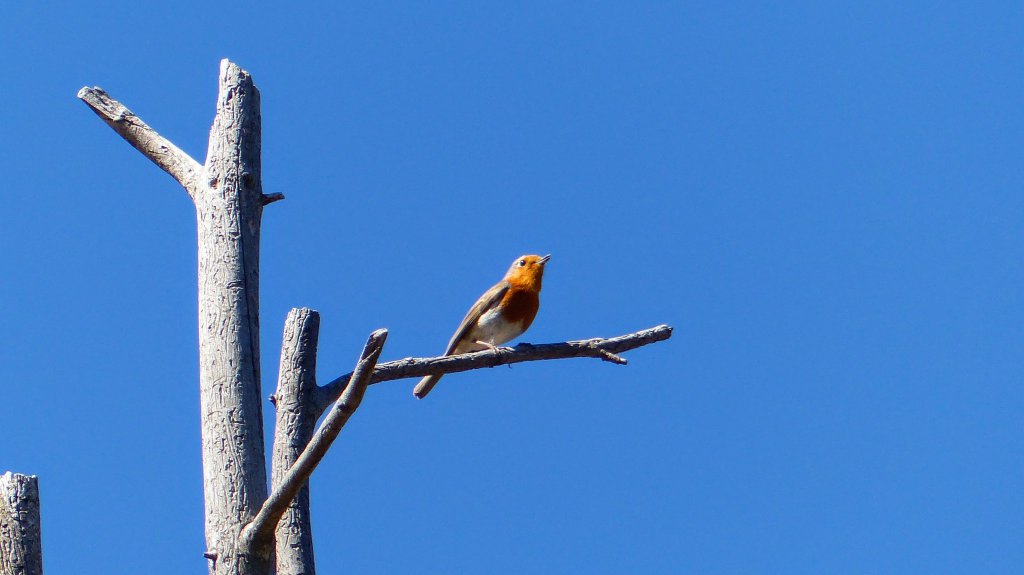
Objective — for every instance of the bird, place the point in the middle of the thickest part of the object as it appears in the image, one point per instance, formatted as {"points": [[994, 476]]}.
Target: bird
{"points": [[502, 314]]}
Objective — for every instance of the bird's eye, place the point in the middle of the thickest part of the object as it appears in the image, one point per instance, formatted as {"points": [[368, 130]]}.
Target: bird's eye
{"points": [[522, 263]]}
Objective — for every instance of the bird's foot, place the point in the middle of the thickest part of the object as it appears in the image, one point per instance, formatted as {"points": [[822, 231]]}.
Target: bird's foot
{"points": [[498, 350]]}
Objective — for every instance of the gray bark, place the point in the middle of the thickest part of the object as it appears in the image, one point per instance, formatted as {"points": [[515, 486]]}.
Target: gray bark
{"points": [[21, 546], [262, 526], [158, 149], [600, 348], [227, 192], [295, 400], [229, 207]]}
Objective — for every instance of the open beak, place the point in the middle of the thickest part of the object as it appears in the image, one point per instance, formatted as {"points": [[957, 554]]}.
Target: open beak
{"points": [[544, 259]]}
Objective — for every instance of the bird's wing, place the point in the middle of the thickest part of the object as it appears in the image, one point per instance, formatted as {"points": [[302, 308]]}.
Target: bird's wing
{"points": [[487, 301]]}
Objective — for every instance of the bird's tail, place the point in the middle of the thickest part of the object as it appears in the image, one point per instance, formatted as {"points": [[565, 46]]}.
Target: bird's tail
{"points": [[425, 385]]}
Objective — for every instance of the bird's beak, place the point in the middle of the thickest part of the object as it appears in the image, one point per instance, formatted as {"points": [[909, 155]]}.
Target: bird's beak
{"points": [[544, 259]]}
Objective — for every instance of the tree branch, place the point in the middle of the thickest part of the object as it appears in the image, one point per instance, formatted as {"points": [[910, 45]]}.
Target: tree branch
{"points": [[271, 198], [295, 400], [158, 149], [420, 366], [259, 531]]}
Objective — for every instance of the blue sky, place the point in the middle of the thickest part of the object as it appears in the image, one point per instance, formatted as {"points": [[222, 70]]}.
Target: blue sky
{"points": [[823, 199]]}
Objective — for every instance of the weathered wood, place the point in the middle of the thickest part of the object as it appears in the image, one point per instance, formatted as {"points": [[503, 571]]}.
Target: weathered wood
{"points": [[227, 191], [314, 452], [228, 196], [295, 400], [229, 208], [143, 138], [21, 546], [600, 348]]}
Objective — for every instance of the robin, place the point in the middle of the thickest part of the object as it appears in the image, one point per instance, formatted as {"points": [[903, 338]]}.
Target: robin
{"points": [[500, 315]]}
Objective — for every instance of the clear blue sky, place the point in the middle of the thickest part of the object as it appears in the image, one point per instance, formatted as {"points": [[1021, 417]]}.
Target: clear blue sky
{"points": [[824, 200]]}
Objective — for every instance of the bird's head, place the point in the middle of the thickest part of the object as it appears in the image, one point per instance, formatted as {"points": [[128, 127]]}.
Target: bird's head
{"points": [[527, 271]]}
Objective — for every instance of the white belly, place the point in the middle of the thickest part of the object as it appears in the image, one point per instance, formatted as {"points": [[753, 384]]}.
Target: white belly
{"points": [[490, 328]]}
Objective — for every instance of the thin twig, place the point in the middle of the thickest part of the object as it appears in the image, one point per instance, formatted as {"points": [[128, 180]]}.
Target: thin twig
{"points": [[609, 356], [604, 349], [158, 149], [261, 530], [271, 198]]}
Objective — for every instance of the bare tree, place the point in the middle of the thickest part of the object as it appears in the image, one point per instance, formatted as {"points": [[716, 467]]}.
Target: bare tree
{"points": [[248, 530]]}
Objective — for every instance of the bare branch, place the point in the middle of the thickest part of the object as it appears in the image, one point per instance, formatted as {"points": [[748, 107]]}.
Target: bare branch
{"points": [[158, 149], [271, 198], [295, 400], [262, 526], [420, 366]]}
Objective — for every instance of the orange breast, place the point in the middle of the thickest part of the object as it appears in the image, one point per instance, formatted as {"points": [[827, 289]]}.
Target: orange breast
{"points": [[520, 305]]}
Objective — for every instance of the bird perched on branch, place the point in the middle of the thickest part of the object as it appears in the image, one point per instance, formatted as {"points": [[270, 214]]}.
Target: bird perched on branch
{"points": [[499, 316]]}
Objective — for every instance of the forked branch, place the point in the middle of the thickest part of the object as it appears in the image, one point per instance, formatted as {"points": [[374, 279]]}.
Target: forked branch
{"points": [[347, 392], [261, 530]]}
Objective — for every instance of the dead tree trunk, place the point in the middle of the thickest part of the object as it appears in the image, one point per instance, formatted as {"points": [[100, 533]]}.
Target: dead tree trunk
{"points": [[241, 518], [228, 197], [21, 547], [295, 400], [229, 207]]}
